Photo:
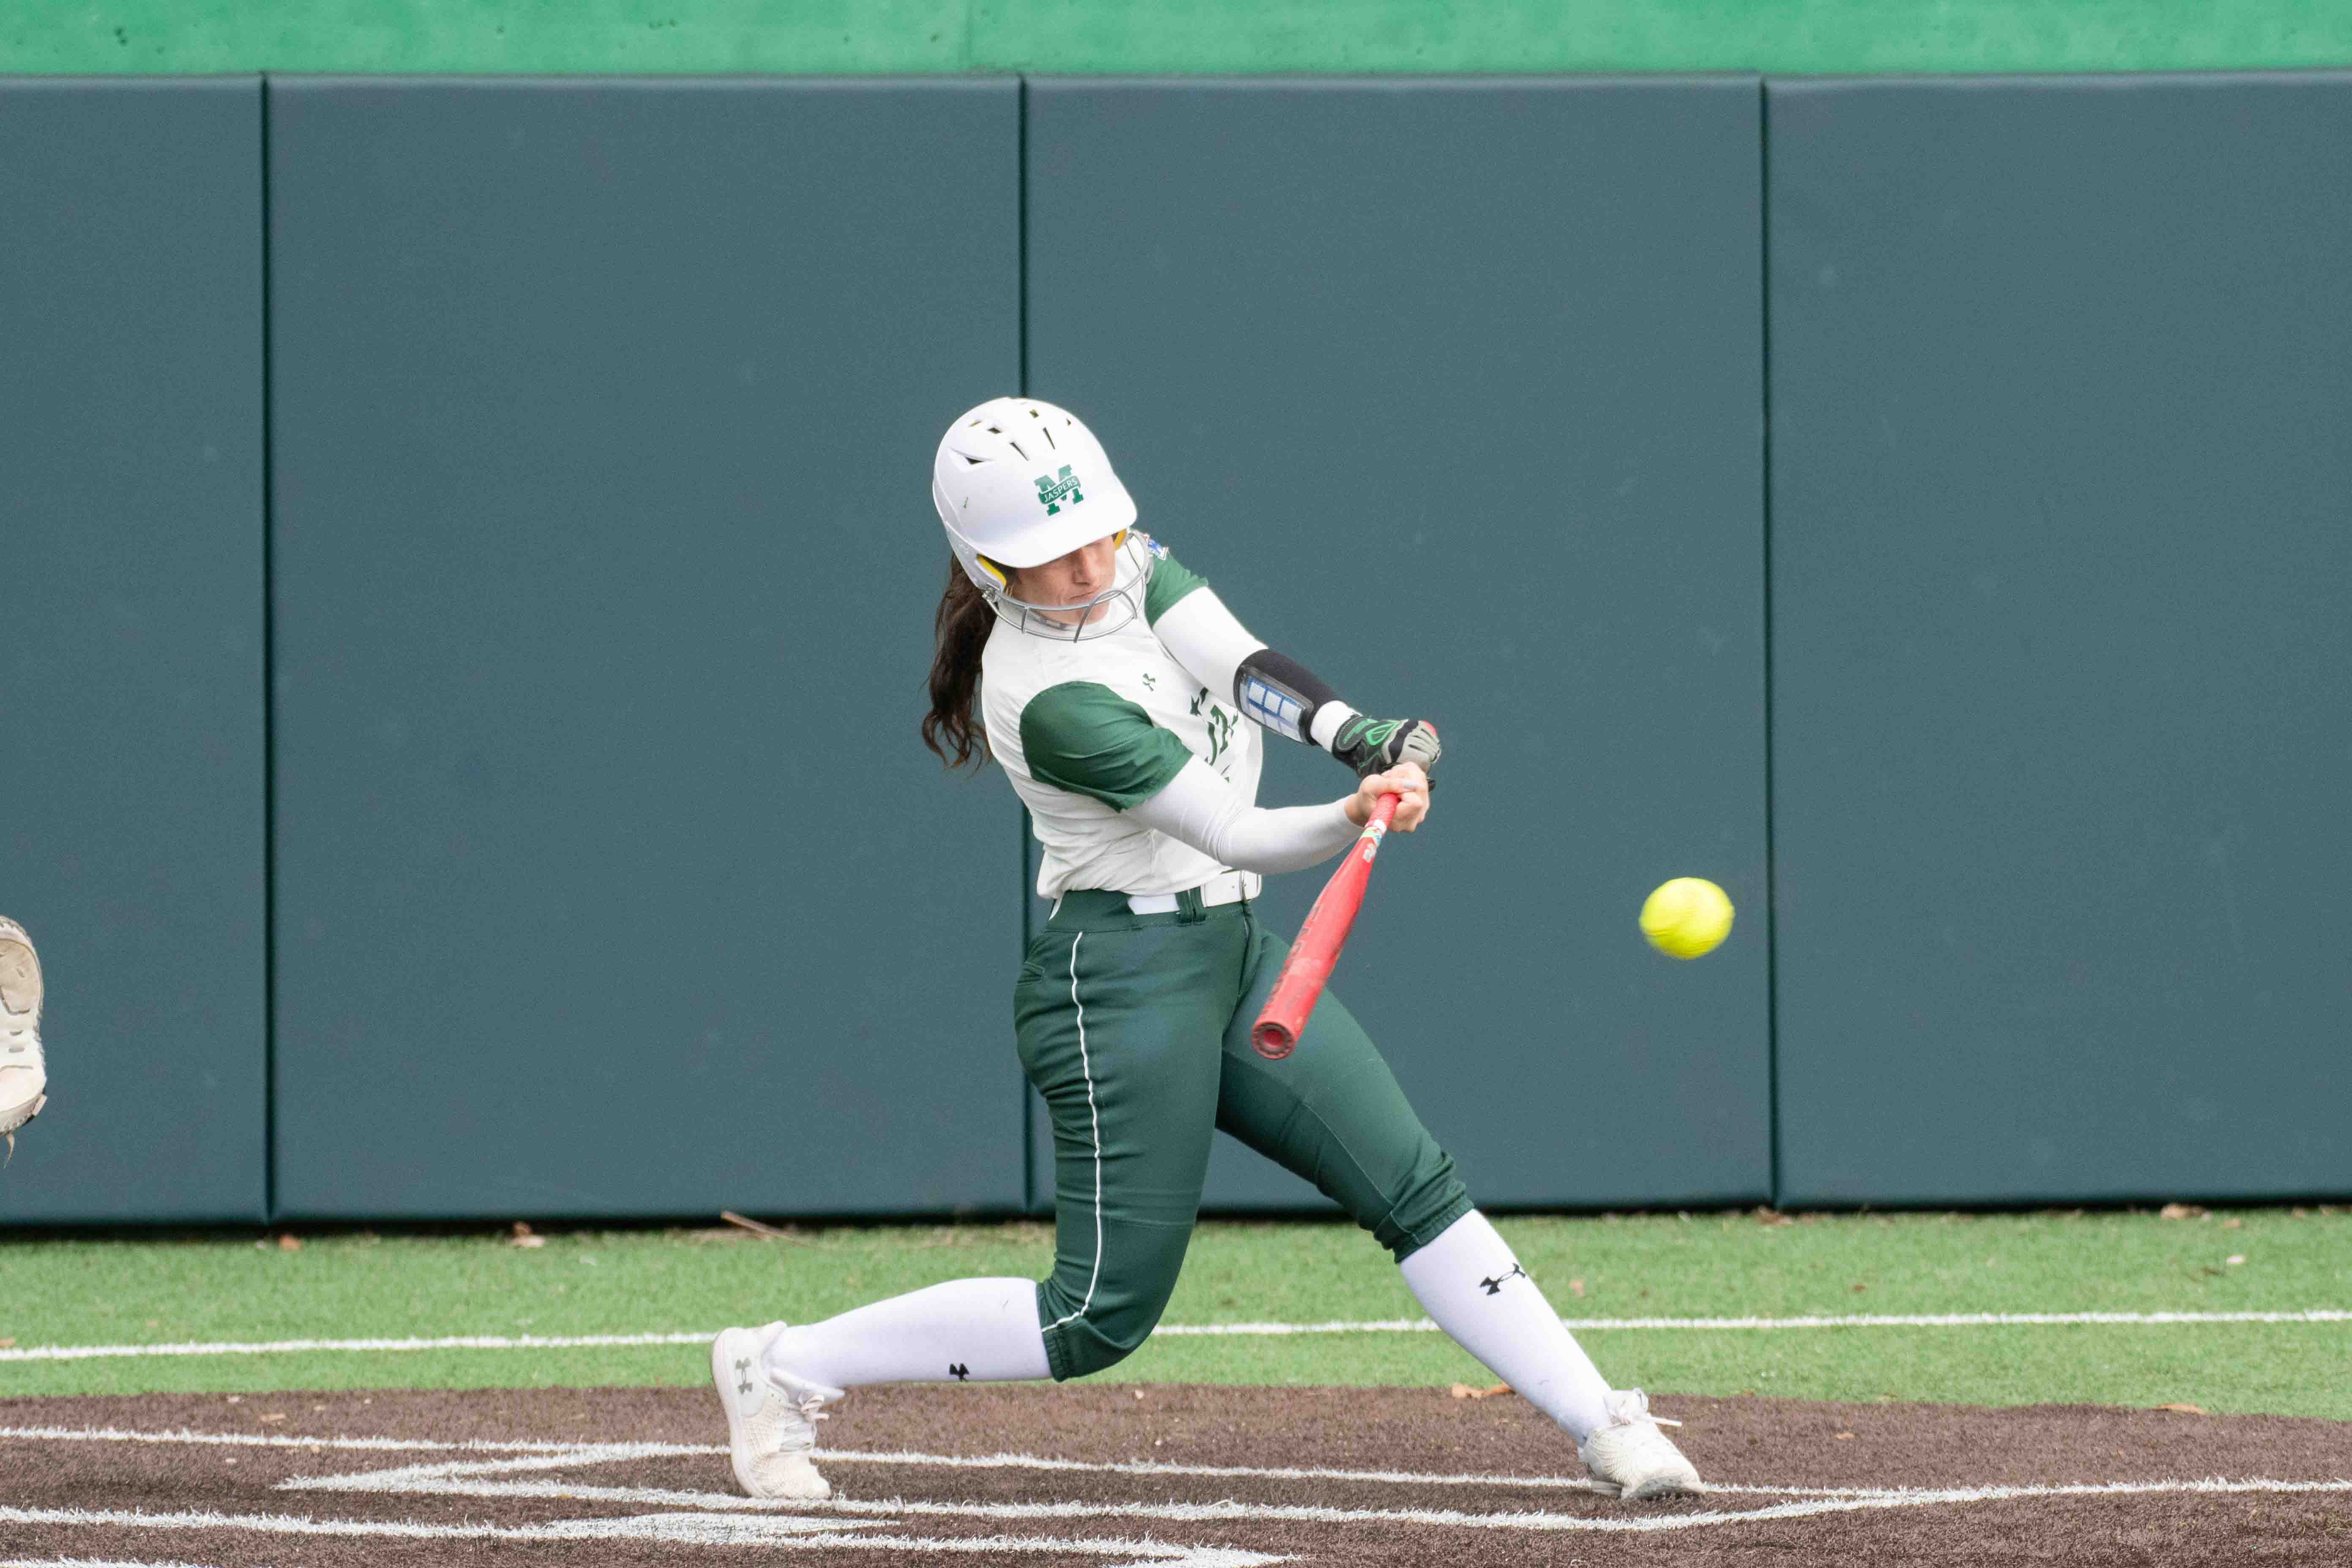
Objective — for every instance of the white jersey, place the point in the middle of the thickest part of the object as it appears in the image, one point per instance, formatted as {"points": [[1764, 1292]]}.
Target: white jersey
{"points": [[1086, 729]]}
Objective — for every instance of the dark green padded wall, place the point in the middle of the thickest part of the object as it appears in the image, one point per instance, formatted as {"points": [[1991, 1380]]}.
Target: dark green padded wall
{"points": [[2062, 379], [131, 639], [611, 878], [611, 875], [1452, 390]]}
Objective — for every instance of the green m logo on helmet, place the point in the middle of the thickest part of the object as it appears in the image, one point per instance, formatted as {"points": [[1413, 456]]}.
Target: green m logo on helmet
{"points": [[1052, 488]]}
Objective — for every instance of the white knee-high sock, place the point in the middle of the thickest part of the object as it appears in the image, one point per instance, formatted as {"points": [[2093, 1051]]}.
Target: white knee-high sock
{"points": [[983, 1330], [1473, 1288]]}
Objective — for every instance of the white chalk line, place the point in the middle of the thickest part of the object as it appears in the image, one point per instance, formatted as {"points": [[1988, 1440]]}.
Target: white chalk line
{"points": [[89, 1562], [721, 1520], [283, 1440], [296, 1347], [565, 1451], [474, 1479], [699, 1530], [552, 1455], [735, 1529], [1847, 1320], [1196, 1331], [560, 1453]]}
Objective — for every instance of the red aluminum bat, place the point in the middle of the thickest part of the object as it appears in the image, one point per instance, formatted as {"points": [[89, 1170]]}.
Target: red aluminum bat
{"points": [[1300, 984]]}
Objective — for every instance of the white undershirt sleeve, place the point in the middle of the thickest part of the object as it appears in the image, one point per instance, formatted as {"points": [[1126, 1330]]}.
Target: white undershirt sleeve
{"points": [[1207, 639], [1199, 808]]}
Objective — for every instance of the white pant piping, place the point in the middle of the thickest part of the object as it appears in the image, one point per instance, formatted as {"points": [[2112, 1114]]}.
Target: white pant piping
{"points": [[1094, 1118]]}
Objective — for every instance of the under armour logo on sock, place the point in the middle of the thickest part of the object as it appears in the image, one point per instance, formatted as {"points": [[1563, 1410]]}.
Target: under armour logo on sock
{"points": [[742, 1375], [960, 1372], [1495, 1286]]}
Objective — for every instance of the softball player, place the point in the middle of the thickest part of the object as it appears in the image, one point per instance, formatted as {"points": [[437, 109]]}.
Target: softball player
{"points": [[24, 1076], [1127, 705]]}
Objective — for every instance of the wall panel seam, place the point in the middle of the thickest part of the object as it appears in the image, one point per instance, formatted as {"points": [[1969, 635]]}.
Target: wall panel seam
{"points": [[1764, 479], [268, 722]]}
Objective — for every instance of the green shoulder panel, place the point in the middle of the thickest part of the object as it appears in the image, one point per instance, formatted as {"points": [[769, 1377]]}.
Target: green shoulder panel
{"points": [[1171, 581], [1083, 737]]}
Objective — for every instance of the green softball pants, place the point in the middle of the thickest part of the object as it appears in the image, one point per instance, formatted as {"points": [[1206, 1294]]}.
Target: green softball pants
{"points": [[1136, 1030]]}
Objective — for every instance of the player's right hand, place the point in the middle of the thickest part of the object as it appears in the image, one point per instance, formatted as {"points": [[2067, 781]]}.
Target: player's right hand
{"points": [[1375, 745], [1407, 781]]}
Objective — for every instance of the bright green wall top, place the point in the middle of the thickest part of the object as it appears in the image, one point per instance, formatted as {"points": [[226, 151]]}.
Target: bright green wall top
{"points": [[1122, 35]]}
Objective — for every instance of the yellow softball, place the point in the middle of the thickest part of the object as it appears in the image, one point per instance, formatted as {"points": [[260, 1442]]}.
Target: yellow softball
{"points": [[1687, 917]]}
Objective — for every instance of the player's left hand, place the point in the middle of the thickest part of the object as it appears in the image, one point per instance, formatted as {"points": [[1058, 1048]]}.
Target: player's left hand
{"points": [[1407, 781]]}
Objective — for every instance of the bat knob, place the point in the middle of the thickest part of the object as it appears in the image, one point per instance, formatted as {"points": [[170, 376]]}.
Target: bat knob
{"points": [[1272, 1041]]}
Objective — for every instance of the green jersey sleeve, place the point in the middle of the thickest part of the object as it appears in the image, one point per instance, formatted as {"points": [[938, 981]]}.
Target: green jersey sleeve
{"points": [[1171, 581], [1086, 738]]}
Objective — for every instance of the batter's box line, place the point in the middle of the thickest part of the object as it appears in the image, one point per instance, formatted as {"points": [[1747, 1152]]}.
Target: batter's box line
{"points": [[554, 1454], [473, 1479], [1149, 1468], [283, 1440], [1142, 1468], [685, 1529]]}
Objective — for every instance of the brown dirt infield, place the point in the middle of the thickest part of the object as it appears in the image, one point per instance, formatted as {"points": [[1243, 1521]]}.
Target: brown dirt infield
{"points": [[1111, 1475]]}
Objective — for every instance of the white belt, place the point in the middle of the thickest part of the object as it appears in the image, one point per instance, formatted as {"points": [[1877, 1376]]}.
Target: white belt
{"points": [[1223, 889]]}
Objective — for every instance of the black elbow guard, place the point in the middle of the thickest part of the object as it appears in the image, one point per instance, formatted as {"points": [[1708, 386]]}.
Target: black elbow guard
{"points": [[1280, 693]]}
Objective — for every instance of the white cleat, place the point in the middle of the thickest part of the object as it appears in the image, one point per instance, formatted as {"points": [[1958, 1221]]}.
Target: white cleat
{"points": [[1633, 1460], [24, 1076], [772, 1416]]}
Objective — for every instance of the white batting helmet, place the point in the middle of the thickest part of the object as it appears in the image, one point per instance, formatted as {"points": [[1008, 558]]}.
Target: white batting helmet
{"points": [[1019, 483]]}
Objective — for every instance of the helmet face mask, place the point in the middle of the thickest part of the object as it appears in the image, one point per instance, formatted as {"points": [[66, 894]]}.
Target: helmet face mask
{"points": [[1098, 616], [1018, 483]]}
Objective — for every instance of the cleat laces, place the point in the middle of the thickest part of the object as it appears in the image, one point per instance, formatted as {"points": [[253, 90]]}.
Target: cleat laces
{"points": [[1634, 1406], [801, 1438]]}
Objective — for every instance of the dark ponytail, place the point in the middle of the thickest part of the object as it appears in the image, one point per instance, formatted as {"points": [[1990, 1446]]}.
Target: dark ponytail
{"points": [[958, 631]]}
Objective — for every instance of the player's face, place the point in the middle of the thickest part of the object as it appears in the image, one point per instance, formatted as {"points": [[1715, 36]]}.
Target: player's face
{"points": [[1071, 579]]}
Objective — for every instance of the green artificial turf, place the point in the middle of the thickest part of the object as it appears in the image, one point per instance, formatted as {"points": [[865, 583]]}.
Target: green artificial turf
{"points": [[584, 1282], [1207, 35]]}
